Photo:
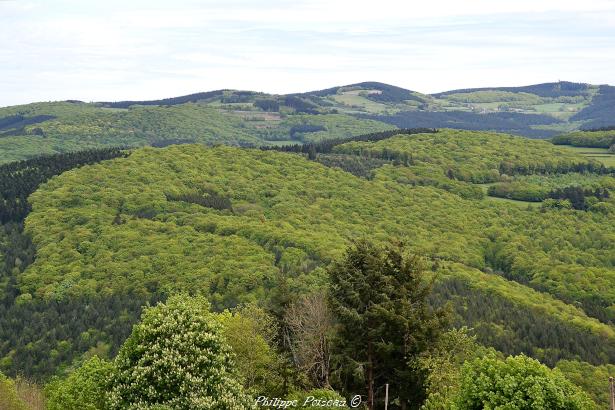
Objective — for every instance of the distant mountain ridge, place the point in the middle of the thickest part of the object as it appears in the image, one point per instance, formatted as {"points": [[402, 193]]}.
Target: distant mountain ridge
{"points": [[240, 118], [561, 88]]}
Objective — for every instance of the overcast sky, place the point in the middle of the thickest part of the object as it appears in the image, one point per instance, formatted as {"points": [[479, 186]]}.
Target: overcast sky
{"points": [[144, 49]]}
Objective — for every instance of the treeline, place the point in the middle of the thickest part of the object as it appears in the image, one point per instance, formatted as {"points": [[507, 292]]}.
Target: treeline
{"points": [[237, 97], [326, 147], [268, 105], [598, 138], [19, 121], [19, 179], [577, 195], [547, 168], [300, 105], [17, 252], [461, 158], [390, 93], [609, 128], [358, 166], [166, 101], [208, 198], [305, 128]]}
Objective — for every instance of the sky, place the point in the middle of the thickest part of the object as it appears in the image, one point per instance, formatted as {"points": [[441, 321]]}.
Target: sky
{"points": [[113, 50]]}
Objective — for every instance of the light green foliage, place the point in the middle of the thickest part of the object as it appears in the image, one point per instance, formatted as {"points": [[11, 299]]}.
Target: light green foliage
{"points": [[176, 357], [517, 383], [551, 203], [293, 215], [443, 366], [84, 389], [593, 379], [471, 156], [319, 398], [9, 399], [251, 333], [586, 180]]}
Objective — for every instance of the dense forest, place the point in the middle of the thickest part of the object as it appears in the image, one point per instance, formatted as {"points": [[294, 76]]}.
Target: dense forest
{"points": [[253, 226]]}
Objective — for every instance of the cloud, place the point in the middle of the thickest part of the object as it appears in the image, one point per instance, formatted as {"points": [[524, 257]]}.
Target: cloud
{"points": [[148, 49]]}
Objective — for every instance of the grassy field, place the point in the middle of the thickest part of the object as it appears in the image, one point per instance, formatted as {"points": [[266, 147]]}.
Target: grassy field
{"points": [[599, 154], [513, 202], [607, 159], [353, 99], [587, 150], [520, 204], [282, 142]]}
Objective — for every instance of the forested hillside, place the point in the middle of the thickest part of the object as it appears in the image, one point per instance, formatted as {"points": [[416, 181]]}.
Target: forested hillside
{"points": [[72, 126], [240, 224], [247, 118]]}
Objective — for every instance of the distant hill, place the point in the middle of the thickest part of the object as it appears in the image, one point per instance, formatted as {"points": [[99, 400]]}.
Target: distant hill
{"points": [[559, 89], [248, 118]]}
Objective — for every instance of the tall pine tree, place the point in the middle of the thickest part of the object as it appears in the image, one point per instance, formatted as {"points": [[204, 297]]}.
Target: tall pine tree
{"points": [[379, 297]]}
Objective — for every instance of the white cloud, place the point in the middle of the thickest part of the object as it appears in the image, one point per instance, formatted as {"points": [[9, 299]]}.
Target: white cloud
{"points": [[149, 49]]}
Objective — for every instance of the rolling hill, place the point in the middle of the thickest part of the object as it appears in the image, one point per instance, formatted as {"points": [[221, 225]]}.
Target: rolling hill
{"points": [[246, 118], [238, 224]]}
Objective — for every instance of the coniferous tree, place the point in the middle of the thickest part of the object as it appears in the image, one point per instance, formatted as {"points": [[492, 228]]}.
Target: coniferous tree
{"points": [[379, 297]]}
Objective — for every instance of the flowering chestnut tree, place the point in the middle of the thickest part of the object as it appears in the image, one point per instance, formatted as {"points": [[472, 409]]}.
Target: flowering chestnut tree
{"points": [[176, 358]]}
